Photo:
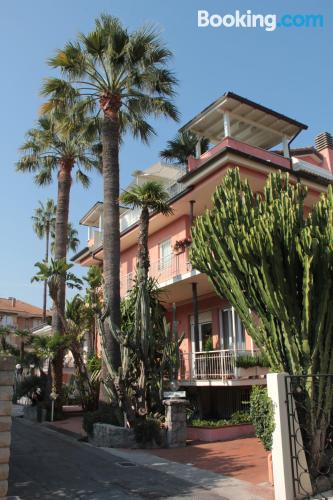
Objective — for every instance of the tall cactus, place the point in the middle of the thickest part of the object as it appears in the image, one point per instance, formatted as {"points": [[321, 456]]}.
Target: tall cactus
{"points": [[275, 266]]}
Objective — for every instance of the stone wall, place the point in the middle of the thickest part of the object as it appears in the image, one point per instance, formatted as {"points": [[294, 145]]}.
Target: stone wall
{"points": [[175, 421], [7, 365]]}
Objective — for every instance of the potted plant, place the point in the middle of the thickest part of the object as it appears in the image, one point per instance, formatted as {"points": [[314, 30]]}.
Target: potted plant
{"points": [[181, 245], [247, 366]]}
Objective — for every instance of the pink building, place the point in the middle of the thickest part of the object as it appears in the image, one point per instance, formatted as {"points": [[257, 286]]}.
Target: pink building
{"points": [[258, 140]]}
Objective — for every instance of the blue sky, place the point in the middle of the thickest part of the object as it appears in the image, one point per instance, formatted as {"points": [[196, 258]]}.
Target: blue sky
{"points": [[289, 70]]}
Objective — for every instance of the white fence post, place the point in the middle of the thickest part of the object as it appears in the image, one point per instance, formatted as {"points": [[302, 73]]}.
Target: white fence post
{"points": [[282, 467]]}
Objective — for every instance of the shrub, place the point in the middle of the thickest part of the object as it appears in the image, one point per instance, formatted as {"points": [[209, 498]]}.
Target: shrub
{"points": [[262, 415], [32, 387], [94, 363], [106, 415], [236, 418], [148, 431], [251, 361]]}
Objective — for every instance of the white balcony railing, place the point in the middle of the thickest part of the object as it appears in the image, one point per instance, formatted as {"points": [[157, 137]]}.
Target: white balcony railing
{"points": [[211, 365], [95, 237], [162, 270]]}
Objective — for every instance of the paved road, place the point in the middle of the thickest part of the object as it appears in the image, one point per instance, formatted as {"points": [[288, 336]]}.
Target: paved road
{"points": [[48, 465]]}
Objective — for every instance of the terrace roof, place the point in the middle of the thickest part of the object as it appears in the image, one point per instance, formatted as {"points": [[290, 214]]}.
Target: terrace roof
{"points": [[248, 122]]}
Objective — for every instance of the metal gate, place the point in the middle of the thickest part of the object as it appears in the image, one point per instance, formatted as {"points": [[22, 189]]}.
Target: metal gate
{"points": [[310, 409]]}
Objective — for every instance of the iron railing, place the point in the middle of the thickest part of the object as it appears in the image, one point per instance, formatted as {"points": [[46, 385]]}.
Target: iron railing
{"points": [[310, 425], [214, 365], [162, 270]]}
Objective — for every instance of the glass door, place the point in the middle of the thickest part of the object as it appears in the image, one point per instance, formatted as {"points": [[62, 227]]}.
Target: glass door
{"points": [[232, 331], [165, 254]]}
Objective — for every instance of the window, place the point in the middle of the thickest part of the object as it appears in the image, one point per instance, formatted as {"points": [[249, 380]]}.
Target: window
{"points": [[204, 341], [165, 254], [7, 320], [232, 330]]}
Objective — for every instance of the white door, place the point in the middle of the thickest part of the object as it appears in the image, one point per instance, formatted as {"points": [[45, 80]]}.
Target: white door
{"points": [[165, 254], [204, 341], [231, 330]]}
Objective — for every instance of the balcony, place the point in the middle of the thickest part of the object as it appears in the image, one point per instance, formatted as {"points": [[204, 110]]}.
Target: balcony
{"points": [[95, 238], [198, 368], [130, 217], [164, 270]]}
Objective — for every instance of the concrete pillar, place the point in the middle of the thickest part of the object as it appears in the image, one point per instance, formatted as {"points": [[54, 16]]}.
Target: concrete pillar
{"points": [[281, 453], [7, 366], [175, 421]]}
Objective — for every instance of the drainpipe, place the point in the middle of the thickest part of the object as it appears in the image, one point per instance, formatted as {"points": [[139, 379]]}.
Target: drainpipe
{"points": [[290, 157], [191, 212], [195, 312], [92, 254]]}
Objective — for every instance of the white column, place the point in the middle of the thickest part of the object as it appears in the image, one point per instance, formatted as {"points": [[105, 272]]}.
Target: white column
{"points": [[281, 453], [282, 471], [198, 149], [285, 147], [226, 123]]}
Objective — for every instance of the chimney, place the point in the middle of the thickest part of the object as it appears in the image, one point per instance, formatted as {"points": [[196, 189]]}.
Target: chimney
{"points": [[324, 145], [13, 301]]}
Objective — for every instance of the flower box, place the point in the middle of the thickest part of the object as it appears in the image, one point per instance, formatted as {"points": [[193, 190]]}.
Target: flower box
{"points": [[241, 372], [225, 433]]}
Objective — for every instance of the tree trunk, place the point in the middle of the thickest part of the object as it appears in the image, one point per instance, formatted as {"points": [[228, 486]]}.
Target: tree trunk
{"points": [[64, 187], [143, 252], [47, 239], [111, 238]]}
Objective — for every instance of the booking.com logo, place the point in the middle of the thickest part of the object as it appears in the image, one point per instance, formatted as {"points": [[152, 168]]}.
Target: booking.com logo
{"points": [[267, 21]]}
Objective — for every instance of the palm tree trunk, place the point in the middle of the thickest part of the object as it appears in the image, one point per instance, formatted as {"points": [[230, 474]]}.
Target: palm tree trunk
{"points": [[143, 252], [47, 239], [64, 187], [111, 238]]}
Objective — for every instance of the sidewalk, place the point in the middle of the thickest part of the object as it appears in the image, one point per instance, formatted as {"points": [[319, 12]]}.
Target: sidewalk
{"points": [[238, 466]]}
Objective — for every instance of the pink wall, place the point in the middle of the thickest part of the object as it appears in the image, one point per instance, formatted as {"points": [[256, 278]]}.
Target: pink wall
{"points": [[263, 154], [183, 316], [176, 230]]}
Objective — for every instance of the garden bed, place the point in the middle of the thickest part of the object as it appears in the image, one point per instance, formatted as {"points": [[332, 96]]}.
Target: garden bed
{"points": [[223, 433]]}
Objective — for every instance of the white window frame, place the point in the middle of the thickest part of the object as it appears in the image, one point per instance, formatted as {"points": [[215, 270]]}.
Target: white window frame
{"points": [[233, 318], [204, 319], [164, 261]]}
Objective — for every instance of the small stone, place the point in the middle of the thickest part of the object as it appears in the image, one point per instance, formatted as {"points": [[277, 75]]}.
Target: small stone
{"points": [[4, 455], [7, 363], [6, 379], [5, 423], [3, 489], [5, 408], [4, 471], [4, 439]]}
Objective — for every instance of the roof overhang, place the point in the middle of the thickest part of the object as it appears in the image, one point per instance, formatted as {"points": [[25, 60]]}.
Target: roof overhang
{"points": [[91, 218], [249, 122]]}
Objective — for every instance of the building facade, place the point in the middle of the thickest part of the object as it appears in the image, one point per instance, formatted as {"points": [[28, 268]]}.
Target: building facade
{"points": [[18, 315], [258, 140]]}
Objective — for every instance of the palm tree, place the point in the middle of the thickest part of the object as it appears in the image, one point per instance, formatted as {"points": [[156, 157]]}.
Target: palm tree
{"points": [[149, 197], [24, 336], [72, 239], [181, 147], [126, 77], [44, 219], [59, 144]]}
